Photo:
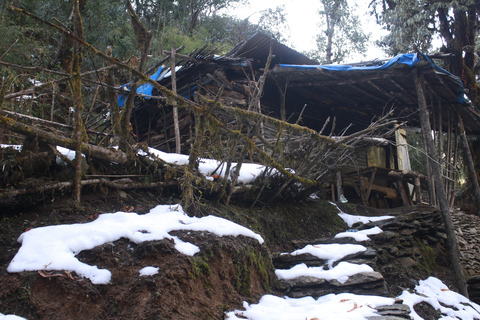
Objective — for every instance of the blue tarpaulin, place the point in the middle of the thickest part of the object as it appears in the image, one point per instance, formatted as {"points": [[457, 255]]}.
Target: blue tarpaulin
{"points": [[409, 59], [402, 60], [145, 89]]}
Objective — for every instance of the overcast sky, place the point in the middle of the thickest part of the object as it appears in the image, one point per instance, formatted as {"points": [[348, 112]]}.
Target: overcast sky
{"points": [[303, 20]]}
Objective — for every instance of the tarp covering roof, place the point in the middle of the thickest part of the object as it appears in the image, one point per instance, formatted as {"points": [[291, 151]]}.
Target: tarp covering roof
{"points": [[356, 94], [400, 61]]}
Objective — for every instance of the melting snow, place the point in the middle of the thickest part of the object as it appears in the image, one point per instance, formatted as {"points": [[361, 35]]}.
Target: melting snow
{"points": [[55, 247], [148, 271]]}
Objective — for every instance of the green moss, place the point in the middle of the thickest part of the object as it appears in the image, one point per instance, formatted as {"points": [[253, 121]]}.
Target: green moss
{"points": [[200, 264], [262, 264], [428, 262], [243, 279], [280, 223]]}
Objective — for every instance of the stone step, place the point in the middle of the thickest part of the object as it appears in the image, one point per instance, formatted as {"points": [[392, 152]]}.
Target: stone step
{"points": [[395, 311], [371, 283], [287, 261]]}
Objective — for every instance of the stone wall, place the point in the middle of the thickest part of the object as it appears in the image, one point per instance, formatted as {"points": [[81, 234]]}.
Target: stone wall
{"points": [[467, 230]]}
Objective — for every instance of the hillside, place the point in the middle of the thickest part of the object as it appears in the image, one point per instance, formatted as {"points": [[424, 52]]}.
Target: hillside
{"points": [[227, 271]]}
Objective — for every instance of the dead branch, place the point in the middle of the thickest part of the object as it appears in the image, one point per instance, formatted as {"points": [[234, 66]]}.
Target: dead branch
{"points": [[55, 139], [35, 68], [52, 123]]}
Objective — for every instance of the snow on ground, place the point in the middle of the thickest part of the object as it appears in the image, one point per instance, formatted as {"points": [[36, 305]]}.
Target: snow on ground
{"points": [[451, 304], [208, 167], [330, 252], [70, 154], [360, 235], [348, 306], [341, 272], [55, 247], [10, 317], [350, 220], [17, 147], [329, 307], [148, 271]]}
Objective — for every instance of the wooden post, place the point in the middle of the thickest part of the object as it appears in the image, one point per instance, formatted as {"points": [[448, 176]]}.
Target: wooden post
{"points": [[178, 145], [435, 168], [418, 191], [363, 190], [430, 182], [403, 193], [339, 185], [469, 161], [283, 93]]}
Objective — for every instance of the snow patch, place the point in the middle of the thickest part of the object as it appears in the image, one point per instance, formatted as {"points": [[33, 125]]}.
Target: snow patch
{"points": [[55, 247]]}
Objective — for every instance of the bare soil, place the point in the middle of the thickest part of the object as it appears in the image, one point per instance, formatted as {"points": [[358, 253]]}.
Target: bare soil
{"points": [[226, 272]]}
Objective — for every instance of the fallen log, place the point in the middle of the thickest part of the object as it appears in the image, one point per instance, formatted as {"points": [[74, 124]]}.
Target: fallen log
{"points": [[121, 184], [116, 156]]}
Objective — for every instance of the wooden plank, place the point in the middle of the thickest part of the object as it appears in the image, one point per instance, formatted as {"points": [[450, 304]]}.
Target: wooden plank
{"points": [[370, 183]]}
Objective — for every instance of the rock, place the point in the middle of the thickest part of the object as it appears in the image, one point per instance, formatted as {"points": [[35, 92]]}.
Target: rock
{"points": [[399, 310], [387, 318], [407, 232], [359, 278], [407, 262], [301, 282]]}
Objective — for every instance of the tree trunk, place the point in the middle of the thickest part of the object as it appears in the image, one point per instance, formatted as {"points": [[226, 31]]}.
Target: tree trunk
{"points": [[442, 197], [114, 107], [79, 131], [469, 161]]}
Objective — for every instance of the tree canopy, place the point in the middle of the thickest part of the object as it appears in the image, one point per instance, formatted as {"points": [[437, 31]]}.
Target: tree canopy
{"points": [[341, 35]]}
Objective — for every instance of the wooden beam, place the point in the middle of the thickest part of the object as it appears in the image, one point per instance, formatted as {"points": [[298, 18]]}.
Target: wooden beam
{"points": [[411, 99], [371, 95]]}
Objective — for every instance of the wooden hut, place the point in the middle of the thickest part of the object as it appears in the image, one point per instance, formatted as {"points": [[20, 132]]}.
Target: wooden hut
{"points": [[334, 100]]}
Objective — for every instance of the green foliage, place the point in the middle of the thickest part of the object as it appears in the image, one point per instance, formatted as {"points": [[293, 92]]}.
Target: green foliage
{"points": [[416, 24], [416, 151], [411, 24], [342, 33], [23, 41]]}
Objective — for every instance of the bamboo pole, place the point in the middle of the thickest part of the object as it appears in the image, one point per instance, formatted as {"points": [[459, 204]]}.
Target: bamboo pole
{"points": [[444, 207]]}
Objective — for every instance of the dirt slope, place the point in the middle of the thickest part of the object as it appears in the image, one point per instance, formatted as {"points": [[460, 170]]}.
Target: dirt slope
{"points": [[226, 272]]}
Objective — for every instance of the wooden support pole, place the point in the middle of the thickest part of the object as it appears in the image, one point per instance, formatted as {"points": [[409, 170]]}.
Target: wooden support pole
{"points": [[178, 145], [370, 183], [403, 193], [418, 191], [469, 161], [432, 196], [339, 185], [442, 197], [363, 189]]}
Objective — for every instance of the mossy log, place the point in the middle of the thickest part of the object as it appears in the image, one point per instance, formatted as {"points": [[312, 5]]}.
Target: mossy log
{"points": [[55, 139]]}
